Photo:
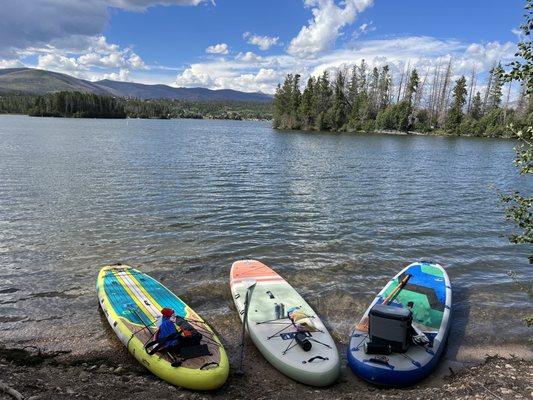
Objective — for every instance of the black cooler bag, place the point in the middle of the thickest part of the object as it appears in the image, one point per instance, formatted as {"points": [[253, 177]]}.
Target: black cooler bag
{"points": [[390, 326]]}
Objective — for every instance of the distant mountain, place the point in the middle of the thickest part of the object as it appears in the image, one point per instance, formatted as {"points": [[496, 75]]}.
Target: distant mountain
{"points": [[40, 82], [28, 80]]}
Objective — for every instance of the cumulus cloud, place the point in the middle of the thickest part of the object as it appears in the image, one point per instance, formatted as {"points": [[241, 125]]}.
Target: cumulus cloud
{"points": [[58, 62], [518, 33], [34, 23], [141, 5], [29, 27], [122, 75], [249, 56], [10, 64], [263, 42], [325, 27], [220, 48], [222, 74], [250, 72], [100, 59]]}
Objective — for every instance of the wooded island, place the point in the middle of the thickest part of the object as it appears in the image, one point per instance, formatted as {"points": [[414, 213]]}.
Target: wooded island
{"points": [[363, 99]]}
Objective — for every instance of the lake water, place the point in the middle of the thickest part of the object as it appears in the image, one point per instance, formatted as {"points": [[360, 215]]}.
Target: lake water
{"points": [[337, 215]]}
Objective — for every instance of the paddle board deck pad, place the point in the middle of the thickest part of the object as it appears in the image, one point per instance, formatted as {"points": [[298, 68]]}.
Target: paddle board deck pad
{"points": [[428, 288], [274, 333], [130, 300]]}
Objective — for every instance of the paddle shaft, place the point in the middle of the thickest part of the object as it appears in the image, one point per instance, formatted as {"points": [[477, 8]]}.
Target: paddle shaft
{"points": [[363, 325], [397, 289], [244, 323], [142, 320]]}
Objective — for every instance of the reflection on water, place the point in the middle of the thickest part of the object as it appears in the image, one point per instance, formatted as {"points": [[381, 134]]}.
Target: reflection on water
{"points": [[336, 214]]}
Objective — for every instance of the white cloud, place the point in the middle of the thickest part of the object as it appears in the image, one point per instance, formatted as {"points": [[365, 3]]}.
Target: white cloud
{"points": [[29, 27], [66, 36], [136, 62], [221, 74], [518, 33], [99, 59], [325, 27], [263, 42], [249, 56], [220, 48], [58, 62], [142, 5], [251, 72], [10, 64], [123, 75]]}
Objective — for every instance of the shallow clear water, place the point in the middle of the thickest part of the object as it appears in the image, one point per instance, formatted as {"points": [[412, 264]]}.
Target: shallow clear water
{"points": [[337, 215]]}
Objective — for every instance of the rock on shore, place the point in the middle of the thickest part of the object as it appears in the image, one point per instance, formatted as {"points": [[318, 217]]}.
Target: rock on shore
{"points": [[37, 375]]}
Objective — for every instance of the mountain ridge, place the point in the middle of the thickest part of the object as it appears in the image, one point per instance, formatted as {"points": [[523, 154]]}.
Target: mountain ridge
{"points": [[38, 81]]}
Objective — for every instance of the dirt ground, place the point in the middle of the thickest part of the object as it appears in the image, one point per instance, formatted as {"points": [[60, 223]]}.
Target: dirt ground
{"points": [[40, 375]]}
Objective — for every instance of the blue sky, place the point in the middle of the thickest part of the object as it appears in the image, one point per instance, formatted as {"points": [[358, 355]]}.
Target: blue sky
{"points": [[250, 45]]}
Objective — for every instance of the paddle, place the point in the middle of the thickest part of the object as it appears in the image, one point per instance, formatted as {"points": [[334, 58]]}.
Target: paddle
{"points": [[363, 324], [250, 284]]}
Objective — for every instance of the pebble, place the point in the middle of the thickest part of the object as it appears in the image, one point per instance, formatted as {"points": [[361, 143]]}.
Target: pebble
{"points": [[118, 370]]}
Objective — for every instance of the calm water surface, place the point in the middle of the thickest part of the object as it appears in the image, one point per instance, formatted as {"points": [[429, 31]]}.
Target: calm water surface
{"points": [[336, 214]]}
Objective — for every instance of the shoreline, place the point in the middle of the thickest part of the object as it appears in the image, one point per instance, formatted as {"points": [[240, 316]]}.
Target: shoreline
{"points": [[37, 375], [395, 133], [378, 132], [139, 118]]}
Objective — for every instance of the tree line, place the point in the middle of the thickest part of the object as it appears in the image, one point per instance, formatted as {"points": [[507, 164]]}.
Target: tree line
{"points": [[216, 109], [88, 105], [76, 105], [360, 98]]}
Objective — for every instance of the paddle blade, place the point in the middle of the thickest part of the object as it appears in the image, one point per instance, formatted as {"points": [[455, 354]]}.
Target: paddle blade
{"points": [[249, 283], [362, 325]]}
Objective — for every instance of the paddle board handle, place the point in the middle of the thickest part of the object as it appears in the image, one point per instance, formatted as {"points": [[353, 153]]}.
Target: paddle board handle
{"points": [[208, 364], [316, 358]]}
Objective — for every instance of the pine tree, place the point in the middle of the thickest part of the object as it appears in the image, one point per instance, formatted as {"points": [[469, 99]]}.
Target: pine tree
{"points": [[324, 94], [412, 86], [476, 111], [455, 115], [307, 108], [353, 86], [362, 77], [338, 110], [374, 91], [385, 86], [495, 91], [283, 103], [294, 120]]}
